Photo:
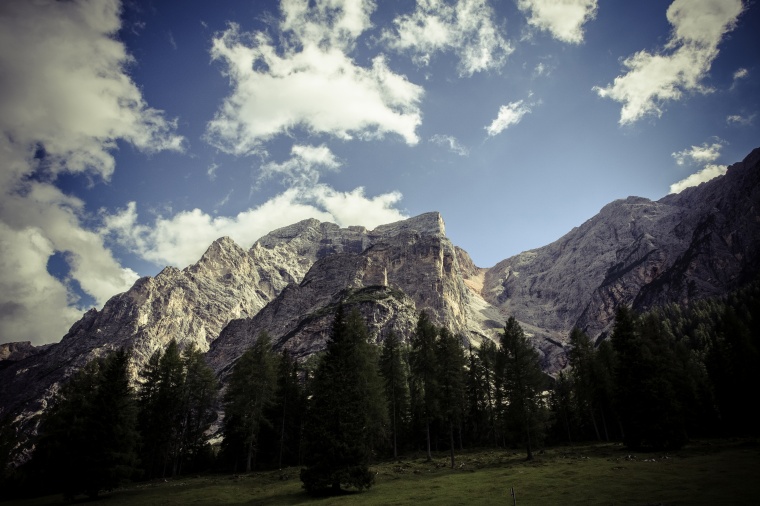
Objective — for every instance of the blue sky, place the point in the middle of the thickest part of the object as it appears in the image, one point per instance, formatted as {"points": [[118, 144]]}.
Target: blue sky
{"points": [[137, 132]]}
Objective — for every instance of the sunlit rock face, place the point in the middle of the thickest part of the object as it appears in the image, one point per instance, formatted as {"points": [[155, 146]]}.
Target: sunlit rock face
{"points": [[699, 243], [702, 242]]}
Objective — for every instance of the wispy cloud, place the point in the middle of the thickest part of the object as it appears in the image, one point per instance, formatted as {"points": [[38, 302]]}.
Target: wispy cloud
{"points": [[655, 78], [738, 119], [510, 114], [464, 27], [563, 19], [311, 82], [451, 143]]}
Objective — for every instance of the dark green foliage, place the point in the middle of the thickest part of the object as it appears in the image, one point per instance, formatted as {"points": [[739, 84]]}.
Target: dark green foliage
{"points": [[451, 383], [346, 410], [287, 413], [177, 401], [581, 361], [424, 367], [395, 373], [250, 394], [200, 397], [88, 439], [524, 384]]}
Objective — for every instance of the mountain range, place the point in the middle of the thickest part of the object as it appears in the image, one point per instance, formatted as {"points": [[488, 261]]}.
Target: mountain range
{"points": [[702, 242]]}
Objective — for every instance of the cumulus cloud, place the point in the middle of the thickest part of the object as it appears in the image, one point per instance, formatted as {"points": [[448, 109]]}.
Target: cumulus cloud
{"points": [[303, 168], [563, 19], [509, 115], [655, 78], [182, 238], [310, 82], [450, 142], [464, 27], [705, 153], [711, 171], [65, 101]]}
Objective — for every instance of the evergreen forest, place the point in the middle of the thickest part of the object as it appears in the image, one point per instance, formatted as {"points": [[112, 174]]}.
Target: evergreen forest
{"points": [[657, 380]]}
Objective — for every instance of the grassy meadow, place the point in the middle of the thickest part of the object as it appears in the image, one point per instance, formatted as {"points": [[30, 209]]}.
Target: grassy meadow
{"points": [[704, 472]]}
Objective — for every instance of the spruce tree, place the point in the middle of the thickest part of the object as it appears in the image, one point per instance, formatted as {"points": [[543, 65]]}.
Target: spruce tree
{"points": [[581, 359], [394, 370], [161, 411], [451, 382], [523, 383], [424, 369], [88, 439], [250, 393], [345, 410]]}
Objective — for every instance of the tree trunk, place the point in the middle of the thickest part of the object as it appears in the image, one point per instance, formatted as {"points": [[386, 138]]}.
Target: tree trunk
{"points": [[451, 442], [429, 454]]}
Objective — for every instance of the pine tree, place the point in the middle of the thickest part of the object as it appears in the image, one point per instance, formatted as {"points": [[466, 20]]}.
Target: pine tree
{"points": [[424, 369], [161, 411], [451, 362], [200, 397], [394, 370], [88, 439], [345, 410], [250, 393], [524, 383], [581, 359]]}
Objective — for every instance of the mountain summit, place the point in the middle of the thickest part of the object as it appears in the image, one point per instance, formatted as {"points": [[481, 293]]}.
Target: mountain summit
{"points": [[700, 243]]}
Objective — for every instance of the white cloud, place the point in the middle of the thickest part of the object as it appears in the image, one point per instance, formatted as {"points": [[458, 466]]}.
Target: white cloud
{"points": [[741, 74], [465, 27], [181, 239], [509, 115], [211, 171], [66, 97], [303, 167], [653, 79], [450, 142], [564, 19], [705, 153], [311, 82], [709, 172], [738, 119]]}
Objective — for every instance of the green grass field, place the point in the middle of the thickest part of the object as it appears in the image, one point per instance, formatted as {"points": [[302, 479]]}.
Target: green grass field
{"points": [[707, 472]]}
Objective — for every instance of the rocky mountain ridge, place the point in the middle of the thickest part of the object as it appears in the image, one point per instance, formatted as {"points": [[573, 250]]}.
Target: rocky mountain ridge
{"points": [[702, 242]]}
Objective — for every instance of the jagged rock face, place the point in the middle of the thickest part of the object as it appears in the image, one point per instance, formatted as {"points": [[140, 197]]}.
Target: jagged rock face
{"points": [[191, 306], [403, 269], [702, 242]]}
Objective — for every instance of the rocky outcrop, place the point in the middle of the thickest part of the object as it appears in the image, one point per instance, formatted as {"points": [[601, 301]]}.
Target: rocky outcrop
{"points": [[700, 243], [405, 268]]}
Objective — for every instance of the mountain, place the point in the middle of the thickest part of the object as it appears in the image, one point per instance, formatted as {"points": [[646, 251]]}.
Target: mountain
{"points": [[702, 242]]}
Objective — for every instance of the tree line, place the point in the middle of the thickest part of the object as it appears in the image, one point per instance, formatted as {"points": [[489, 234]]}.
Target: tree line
{"points": [[661, 378]]}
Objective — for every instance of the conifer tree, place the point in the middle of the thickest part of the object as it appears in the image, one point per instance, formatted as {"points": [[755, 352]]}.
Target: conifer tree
{"points": [[88, 439], [250, 393], [424, 369], [345, 410], [200, 397], [581, 359], [161, 402], [394, 371], [524, 383], [450, 381]]}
